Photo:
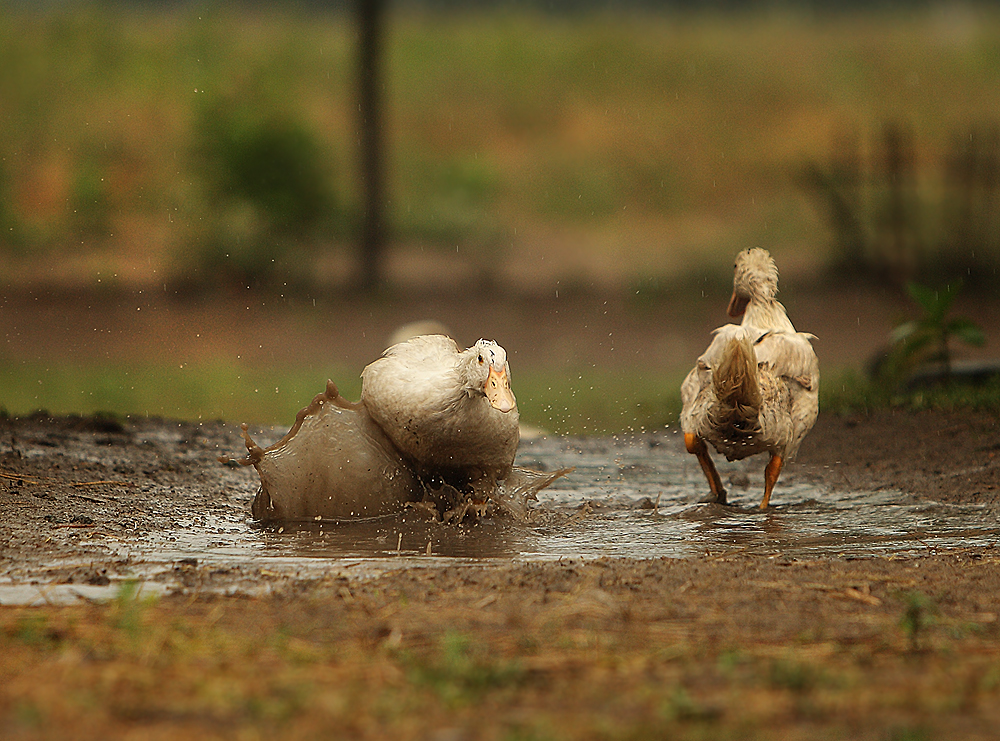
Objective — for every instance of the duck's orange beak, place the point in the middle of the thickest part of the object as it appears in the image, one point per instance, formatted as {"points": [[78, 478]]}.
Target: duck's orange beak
{"points": [[737, 305], [498, 390]]}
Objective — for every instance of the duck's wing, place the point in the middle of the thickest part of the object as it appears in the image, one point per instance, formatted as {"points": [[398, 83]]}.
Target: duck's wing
{"points": [[720, 341], [410, 388], [426, 349], [789, 355]]}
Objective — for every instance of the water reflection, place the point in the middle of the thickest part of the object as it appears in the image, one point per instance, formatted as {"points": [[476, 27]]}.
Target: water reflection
{"points": [[387, 537], [805, 520]]}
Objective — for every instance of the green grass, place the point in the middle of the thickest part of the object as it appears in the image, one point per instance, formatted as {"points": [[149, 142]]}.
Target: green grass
{"points": [[849, 391], [587, 402], [193, 392], [590, 401], [597, 401]]}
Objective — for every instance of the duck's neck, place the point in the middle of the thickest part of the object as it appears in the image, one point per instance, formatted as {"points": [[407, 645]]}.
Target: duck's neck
{"points": [[767, 314], [466, 374]]}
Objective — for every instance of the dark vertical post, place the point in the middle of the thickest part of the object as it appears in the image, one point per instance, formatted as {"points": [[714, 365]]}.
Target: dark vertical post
{"points": [[370, 19]]}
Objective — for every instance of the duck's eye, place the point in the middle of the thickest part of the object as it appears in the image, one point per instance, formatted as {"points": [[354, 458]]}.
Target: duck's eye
{"points": [[480, 359]]}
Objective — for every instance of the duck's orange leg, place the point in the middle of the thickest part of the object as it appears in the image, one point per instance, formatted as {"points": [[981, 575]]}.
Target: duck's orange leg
{"points": [[697, 447], [771, 473]]}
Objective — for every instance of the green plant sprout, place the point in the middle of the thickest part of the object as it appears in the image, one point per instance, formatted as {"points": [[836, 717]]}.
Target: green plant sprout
{"points": [[927, 339], [918, 614]]}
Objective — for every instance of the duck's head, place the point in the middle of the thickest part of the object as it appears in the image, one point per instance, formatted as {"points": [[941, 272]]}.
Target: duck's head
{"points": [[755, 279], [489, 374]]}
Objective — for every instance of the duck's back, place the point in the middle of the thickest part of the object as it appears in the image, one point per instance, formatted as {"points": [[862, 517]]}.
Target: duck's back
{"points": [[788, 377], [411, 380]]}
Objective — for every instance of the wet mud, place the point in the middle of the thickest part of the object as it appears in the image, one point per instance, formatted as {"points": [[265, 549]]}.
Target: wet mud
{"points": [[92, 501]]}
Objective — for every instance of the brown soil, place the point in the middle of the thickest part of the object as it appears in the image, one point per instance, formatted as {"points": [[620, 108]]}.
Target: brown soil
{"points": [[720, 647], [945, 456]]}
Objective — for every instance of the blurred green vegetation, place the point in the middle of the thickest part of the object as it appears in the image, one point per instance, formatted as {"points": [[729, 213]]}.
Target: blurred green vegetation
{"points": [[849, 392], [215, 390], [266, 196], [587, 402], [927, 343], [204, 141], [895, 218]]}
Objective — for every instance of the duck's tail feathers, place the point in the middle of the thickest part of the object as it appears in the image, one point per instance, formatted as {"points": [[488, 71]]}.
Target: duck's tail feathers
{"points": [[735, 382]]}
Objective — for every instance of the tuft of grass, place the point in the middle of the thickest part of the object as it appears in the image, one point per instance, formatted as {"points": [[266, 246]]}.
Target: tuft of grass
{"points": [[793, 675], [459, 671], [918, 613], [33, 629], [680, 706], [129, 608], [850, 391]]}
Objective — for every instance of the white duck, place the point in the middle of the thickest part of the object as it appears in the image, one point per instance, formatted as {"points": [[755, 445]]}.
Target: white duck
{"points": [[755, 389], [451, 413]]}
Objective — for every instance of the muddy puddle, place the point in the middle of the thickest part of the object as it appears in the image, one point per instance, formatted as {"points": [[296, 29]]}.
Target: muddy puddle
{"points": [[634, 497]]}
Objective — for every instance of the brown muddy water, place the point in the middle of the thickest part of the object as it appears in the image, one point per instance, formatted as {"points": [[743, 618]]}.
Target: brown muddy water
{"points": [[634, 496]]}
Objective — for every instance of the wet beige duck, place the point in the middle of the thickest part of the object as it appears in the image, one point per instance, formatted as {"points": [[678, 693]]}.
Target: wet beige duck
{"points": [[755, 389], [436, 429], [450, 412]]}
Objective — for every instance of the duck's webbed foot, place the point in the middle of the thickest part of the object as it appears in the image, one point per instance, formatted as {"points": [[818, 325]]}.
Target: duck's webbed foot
{"points": [[457, 497], [477, 499], [457, 513], [711, 498]]}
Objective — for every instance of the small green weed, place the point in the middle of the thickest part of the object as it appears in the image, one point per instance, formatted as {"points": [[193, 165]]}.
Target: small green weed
{"points": [[917, 616], [129, 607], [680, 706], [928, 340], [32, 629], [459, 673], [793, 675], [908, 734]]}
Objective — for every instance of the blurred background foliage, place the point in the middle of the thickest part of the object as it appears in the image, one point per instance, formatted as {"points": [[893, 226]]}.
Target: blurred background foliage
{"points": [[219, 139], [544, 147]]}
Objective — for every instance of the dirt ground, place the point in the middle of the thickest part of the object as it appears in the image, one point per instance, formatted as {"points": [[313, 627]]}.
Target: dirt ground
{"points": [[725, 646]]}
